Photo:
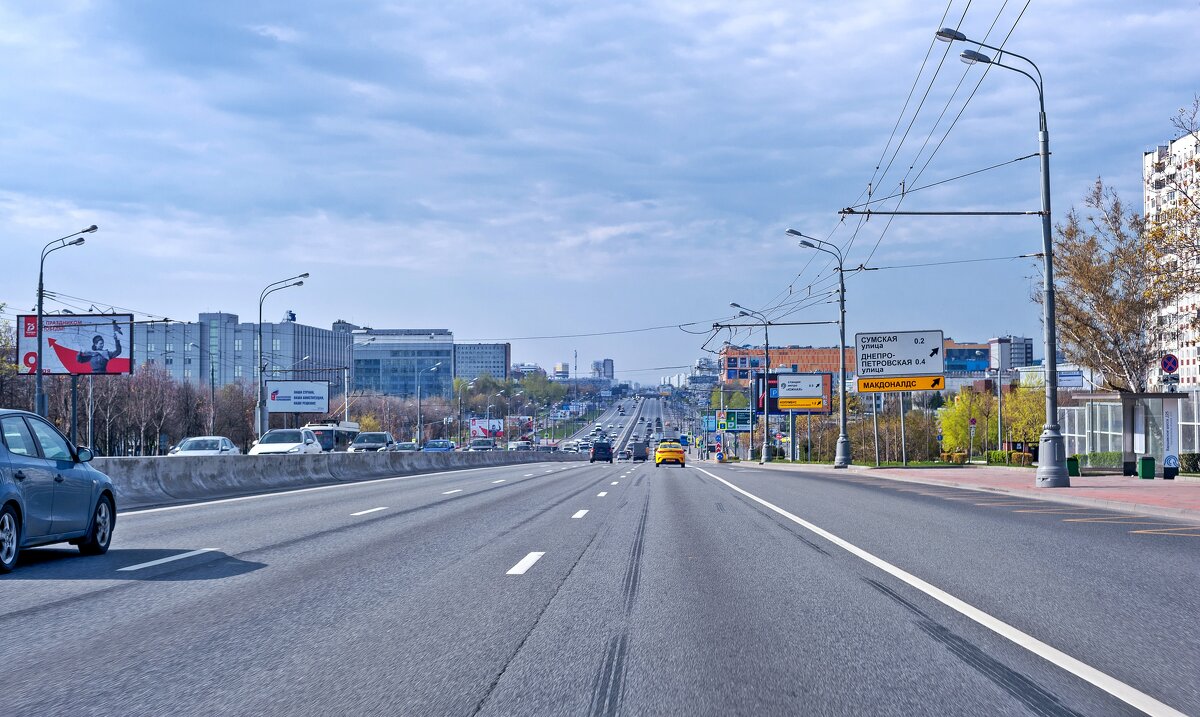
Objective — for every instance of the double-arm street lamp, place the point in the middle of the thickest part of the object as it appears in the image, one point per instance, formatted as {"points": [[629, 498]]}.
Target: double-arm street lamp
{"points": [[766, 412], [841, 458], [260, 409], [1052, 466], [419, 426], [346, 376], [41, 406]]}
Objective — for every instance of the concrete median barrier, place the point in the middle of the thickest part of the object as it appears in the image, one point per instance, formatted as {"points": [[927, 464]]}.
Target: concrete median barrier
{"points": [[164, 480]]}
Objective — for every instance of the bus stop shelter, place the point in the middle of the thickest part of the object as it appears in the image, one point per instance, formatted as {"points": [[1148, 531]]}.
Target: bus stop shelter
{"points": [[1149, 427]]}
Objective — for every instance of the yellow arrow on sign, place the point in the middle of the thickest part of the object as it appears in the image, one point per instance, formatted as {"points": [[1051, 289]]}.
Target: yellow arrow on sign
{"points": [[901, 383]]}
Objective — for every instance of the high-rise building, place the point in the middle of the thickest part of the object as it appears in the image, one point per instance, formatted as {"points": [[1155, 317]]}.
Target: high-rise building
{"points": [[1168, 173], [1010, 352], [474, 360], [218, 349], [562, 370], [394, 362]]}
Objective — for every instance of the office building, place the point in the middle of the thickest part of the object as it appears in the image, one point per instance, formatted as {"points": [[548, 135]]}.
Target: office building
{"points": [[562, 370], [218, 349], [1010, 352], [474, 360], [393, 362]]}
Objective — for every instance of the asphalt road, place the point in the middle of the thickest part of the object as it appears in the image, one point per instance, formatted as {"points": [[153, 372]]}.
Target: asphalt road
{"points": [[491, 591]]}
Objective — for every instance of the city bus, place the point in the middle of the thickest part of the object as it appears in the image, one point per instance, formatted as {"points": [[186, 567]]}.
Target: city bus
{"points": [[334, 436]]}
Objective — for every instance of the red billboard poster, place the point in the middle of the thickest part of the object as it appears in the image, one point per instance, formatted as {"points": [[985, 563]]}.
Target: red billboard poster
{"points": [[77, 344]]}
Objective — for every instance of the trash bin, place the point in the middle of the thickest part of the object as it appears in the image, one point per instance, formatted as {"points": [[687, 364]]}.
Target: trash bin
{"points": [[1146, 467], [1073, 466]]}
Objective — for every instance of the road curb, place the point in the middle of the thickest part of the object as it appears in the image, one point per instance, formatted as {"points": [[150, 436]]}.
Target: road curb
{"points": [[1114, 505]]}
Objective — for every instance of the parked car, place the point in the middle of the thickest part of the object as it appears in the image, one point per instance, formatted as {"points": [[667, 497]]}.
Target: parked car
{"points": [[438, 445], [601, 451], [205, 446], [48, 492], [286, 440], [372, 442]]}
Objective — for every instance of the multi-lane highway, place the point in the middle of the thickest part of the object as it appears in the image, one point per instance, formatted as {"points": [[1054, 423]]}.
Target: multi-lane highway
{"points": [[554, 589]]}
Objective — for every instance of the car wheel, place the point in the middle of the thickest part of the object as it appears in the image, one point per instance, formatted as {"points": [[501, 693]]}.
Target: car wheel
{"points": [[657, 464], [10, 538], [100, 535], [591, 461]]}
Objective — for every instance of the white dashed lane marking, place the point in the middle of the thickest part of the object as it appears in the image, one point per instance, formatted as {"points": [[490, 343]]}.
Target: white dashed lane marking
{"points": [[525, 564], [456, 490], [580, 514], [369, 510]]}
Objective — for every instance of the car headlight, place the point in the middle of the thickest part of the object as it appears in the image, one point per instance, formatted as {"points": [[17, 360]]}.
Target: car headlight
{"points": [[295, 449]]}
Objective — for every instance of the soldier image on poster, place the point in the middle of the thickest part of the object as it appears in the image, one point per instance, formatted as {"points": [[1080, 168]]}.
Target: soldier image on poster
{"points": [[98, 357]]}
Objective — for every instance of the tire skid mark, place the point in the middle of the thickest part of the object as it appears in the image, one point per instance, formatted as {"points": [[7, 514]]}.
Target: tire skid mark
{"points": [[1029, 693]]}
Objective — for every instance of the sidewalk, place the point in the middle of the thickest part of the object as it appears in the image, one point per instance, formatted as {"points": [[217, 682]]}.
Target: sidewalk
{"points": [[1159, 498]]}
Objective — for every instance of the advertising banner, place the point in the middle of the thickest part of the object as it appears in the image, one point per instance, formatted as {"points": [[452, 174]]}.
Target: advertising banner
{"points": [[76, 344], [487, 427], [297, 397]]}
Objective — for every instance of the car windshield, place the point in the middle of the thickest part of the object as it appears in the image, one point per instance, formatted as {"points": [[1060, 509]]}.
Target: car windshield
{"points": [[282, 437], [439, 443], [200, 444], [371, 438]]}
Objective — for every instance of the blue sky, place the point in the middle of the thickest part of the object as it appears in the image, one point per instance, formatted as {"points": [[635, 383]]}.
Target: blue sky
{"points": [[530, 169]]}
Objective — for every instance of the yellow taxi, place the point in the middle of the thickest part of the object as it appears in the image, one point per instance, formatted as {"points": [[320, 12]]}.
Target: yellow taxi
{"points": [[668, 452]]}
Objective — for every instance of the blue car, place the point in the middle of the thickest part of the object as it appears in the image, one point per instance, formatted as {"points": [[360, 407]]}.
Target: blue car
{"points": [[48, 492], [438, 445]]}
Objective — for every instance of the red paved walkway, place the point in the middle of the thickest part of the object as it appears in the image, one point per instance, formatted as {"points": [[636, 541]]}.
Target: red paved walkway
{"points": [[1176, 498]]}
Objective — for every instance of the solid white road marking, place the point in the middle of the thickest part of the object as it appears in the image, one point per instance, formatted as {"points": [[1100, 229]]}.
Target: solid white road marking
{"points": [[160, 561], [580, 514], [1109, 684], [601, 494], [369, 510], [497, 481], [456, 490], [525, 564], [527, 475]]}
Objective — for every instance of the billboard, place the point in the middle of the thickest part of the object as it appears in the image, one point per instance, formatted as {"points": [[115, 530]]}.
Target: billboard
{"points": [[297, 397], [487, 427], [76, 344]]}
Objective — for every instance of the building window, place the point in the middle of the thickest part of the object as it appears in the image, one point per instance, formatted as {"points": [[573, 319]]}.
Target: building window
{"points": [[169, 348], [187, 373], [274, 344], [168, 361], [237, 371], [237, 344], [149, 348]]}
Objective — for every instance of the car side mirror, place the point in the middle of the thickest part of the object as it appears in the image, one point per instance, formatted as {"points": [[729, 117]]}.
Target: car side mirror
{"points": [[309, 441], [84, 455]]}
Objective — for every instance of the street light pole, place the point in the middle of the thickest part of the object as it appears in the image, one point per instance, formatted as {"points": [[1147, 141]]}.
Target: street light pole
{"points": [[41, 406], [419, 426], [1052, 459], [260, 408], [762, 458], [842, 457]]}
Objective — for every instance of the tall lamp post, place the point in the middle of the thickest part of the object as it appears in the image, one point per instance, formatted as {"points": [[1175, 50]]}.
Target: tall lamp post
{"points": [[346, 376], [260, 408], [419, 427], [766, 375], [41, 406], [841, 458], [1052, 459]]}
